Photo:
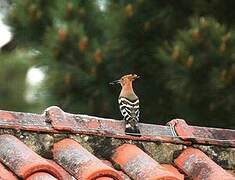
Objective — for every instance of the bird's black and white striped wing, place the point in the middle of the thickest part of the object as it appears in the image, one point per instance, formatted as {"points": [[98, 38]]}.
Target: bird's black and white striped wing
{"points": [[129, 109]]}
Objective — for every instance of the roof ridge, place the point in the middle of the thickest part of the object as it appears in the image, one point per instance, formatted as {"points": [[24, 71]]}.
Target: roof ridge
{"points": [[55, 120]]}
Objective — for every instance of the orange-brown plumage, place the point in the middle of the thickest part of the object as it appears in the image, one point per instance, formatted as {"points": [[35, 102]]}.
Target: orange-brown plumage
{"points": [[127, 88]]}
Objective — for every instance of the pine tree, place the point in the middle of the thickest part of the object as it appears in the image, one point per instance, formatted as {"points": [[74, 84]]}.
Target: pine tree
{"points": [[72, 50], [83, 48], [69, 36], [145, 28], [200, 72], [144, 25]]}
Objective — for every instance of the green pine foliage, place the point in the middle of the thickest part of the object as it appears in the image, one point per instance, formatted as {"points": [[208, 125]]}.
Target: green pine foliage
{"points": [[69, 35], [29, 19], [200, 72], [186, 63], [143, 27], [147, 28]]}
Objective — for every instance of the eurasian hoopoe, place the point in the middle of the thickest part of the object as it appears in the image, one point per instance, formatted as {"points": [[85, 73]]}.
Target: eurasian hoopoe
{"points": [[129, 104]]}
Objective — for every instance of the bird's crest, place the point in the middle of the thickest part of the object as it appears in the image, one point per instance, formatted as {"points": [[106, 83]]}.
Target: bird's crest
{"points": [[126, 78]]}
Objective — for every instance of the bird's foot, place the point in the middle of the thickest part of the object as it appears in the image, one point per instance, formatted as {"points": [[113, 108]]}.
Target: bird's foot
{"points": [[133, 131]]}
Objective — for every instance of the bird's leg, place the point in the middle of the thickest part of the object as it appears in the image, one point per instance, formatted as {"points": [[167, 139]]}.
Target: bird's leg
{"points": [[131, 128]]}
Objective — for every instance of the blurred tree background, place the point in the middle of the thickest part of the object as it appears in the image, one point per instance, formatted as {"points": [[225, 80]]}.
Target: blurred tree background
{"points": [[184, 53]]}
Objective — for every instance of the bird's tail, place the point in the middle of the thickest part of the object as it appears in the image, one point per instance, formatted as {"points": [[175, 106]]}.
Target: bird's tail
{"points": [[132, 130]]}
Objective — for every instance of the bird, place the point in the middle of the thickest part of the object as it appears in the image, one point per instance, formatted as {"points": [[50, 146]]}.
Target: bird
{"points": [[129, 104]]}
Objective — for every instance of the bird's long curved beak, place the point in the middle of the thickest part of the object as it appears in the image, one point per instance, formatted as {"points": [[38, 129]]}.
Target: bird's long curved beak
{"points": [[114, 82]]}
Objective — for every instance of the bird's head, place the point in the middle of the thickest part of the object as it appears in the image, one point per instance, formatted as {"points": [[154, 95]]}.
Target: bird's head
{"points": [[125, 79]]}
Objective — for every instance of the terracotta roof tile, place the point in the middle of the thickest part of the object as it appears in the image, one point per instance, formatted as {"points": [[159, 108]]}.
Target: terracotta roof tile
{"points": [[41, 176], [203, 135], [138, 165], [81, 163], [231, 172], [56, 120], [172, 169], [64, 174], [108, 163], [22, 160], [123, 175], [104, 178], [6, 174], [198, 166], [54, 132]]}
